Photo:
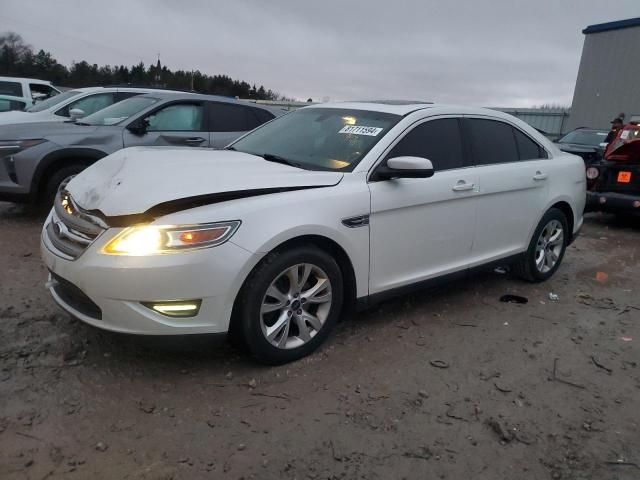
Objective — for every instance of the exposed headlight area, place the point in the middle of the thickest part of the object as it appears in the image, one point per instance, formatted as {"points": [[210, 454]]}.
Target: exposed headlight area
{"points": [[593, 173], [144, 240]]}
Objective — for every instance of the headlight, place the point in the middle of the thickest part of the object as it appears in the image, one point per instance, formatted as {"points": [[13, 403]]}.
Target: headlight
{"points": [[17, 145], [592, 173], [155, 240]]}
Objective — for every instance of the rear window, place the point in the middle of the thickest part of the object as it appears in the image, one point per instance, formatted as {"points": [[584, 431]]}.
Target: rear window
{"points": [[492, 142], [527, 148], [11, 88], [227, 117]]}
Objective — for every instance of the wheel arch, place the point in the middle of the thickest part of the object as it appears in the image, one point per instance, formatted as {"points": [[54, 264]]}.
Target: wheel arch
{"points": [[565, 208], [319, 241], [55, 160]]}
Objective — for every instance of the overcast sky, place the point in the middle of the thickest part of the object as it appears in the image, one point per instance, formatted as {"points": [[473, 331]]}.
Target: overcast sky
{"points": [[480, 52]]}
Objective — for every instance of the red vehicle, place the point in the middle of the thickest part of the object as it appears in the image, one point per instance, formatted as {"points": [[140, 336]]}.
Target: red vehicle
{"points": [[613, 184]]}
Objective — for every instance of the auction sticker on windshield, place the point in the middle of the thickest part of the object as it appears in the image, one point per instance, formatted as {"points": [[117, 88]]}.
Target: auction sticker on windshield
{"points": [[361, 130]]}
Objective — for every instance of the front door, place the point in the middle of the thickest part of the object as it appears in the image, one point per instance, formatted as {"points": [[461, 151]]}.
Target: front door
{"points": [[423, 228], [178, 124]]}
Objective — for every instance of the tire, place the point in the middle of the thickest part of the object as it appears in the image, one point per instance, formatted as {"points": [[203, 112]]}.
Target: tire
{"points": [[530, 267], [290, 327], [64, 174]]}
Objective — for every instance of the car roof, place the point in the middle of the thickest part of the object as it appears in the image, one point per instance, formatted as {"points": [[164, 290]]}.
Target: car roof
{"points": [[405, 107], [24, 79], [169, 95]]}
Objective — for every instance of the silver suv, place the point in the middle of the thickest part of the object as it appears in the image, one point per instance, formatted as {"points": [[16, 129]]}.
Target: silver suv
{"points": [[36, 158]]}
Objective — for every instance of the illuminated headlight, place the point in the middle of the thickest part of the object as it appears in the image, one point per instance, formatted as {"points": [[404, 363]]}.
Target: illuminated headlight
{"points": [[592, 173], [155, 240]]}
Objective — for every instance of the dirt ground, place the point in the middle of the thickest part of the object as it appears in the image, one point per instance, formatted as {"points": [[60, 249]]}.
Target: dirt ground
{"points": [[448, 384]]}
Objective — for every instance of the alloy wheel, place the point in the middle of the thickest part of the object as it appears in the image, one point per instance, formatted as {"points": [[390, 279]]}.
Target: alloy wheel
{"points": [[549, 246], [295, 306]]}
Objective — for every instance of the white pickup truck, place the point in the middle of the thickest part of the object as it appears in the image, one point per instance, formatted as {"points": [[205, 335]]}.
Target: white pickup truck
{"points": [[25, 91]]}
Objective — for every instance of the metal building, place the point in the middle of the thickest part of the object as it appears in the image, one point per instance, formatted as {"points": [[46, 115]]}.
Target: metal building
{"points": [[609, 75]]}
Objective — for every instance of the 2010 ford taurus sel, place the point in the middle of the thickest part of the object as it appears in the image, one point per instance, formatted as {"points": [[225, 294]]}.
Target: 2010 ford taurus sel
{"points": [[329, 206]]}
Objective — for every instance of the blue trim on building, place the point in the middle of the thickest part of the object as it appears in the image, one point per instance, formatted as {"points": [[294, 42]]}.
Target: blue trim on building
{"points": [[617, 25]]}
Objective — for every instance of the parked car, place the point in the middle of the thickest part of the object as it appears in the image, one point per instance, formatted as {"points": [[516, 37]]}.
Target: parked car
{"points": [[614, 182], [29, 90], [36, 158], [10, 103], [584, 142], [72, 104], [328, 206]]}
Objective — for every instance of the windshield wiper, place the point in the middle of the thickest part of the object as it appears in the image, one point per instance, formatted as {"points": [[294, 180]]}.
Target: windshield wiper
{"points": [[269, 157]]}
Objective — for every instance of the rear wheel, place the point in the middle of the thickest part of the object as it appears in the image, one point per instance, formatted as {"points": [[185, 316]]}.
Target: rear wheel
{"points": [[290, 303], [58, 179], [546, 249]]}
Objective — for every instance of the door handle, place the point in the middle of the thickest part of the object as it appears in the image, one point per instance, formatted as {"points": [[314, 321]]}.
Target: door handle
{"points": [[194, 140], [462, 186], [540, 176]]}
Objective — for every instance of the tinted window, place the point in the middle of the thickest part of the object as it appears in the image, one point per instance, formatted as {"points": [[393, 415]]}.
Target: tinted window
{"points": [[438, 140], [492, 142], [124, 95], [186, 117], [11, 88], [528, 149], [225, 117], [41, 92], [89, 104], [262, 115]]}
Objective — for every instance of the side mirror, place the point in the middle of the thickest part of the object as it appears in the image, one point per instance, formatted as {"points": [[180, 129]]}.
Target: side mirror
{"points": [[76, 113], [139, 127], [405, 167]]}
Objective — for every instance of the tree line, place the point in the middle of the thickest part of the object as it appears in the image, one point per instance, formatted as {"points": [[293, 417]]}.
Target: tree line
{"points": [[19, 59]]}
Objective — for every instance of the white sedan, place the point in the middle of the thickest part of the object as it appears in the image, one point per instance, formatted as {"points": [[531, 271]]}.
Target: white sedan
{"points": [[329, 206]]}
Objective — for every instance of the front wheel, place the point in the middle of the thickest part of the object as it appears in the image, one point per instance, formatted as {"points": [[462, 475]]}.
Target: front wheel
{"points": [[290, 303], [59, 179], [546, 249]]}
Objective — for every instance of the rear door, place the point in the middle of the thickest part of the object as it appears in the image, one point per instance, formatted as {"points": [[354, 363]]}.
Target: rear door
{"points": [[513, 173], [228, 121], [175, 124], [423, 227]]}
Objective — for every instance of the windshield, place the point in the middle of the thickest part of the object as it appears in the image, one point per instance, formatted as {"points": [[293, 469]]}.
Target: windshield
{"points": [[118, 112], [584, 137], [319, 138], [55, 100]]}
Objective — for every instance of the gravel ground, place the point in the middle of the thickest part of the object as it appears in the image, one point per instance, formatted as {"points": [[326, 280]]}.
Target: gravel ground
{"points": [[449, 383]]}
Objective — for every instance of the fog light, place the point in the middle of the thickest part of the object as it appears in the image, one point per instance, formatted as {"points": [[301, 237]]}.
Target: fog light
{"points": [[602, 200], [177, 308]]}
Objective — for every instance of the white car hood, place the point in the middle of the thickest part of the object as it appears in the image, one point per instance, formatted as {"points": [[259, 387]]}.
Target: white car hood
{"points": [[133, 180]]}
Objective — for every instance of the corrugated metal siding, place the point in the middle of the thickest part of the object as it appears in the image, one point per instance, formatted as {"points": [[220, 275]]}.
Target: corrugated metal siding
{"points": [[551, 121], [608, 78]]}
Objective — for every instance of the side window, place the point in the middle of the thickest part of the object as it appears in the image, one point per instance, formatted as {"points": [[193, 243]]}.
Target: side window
{"points": [[262, 115], [124, 95], [226, 117], [492, 142], [89, 104], [11, 88], [41, 92], [528, 149], [7, 105], [438, 140], [178, 117]]}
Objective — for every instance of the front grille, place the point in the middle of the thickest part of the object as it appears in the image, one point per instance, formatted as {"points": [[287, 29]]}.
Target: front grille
{"points": [[72, 230], [75, 298]]}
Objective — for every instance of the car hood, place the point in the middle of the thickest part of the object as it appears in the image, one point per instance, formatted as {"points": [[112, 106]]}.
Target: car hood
{"points": [[159, 180], [9, 118], [574, 147], [24, 131]]}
